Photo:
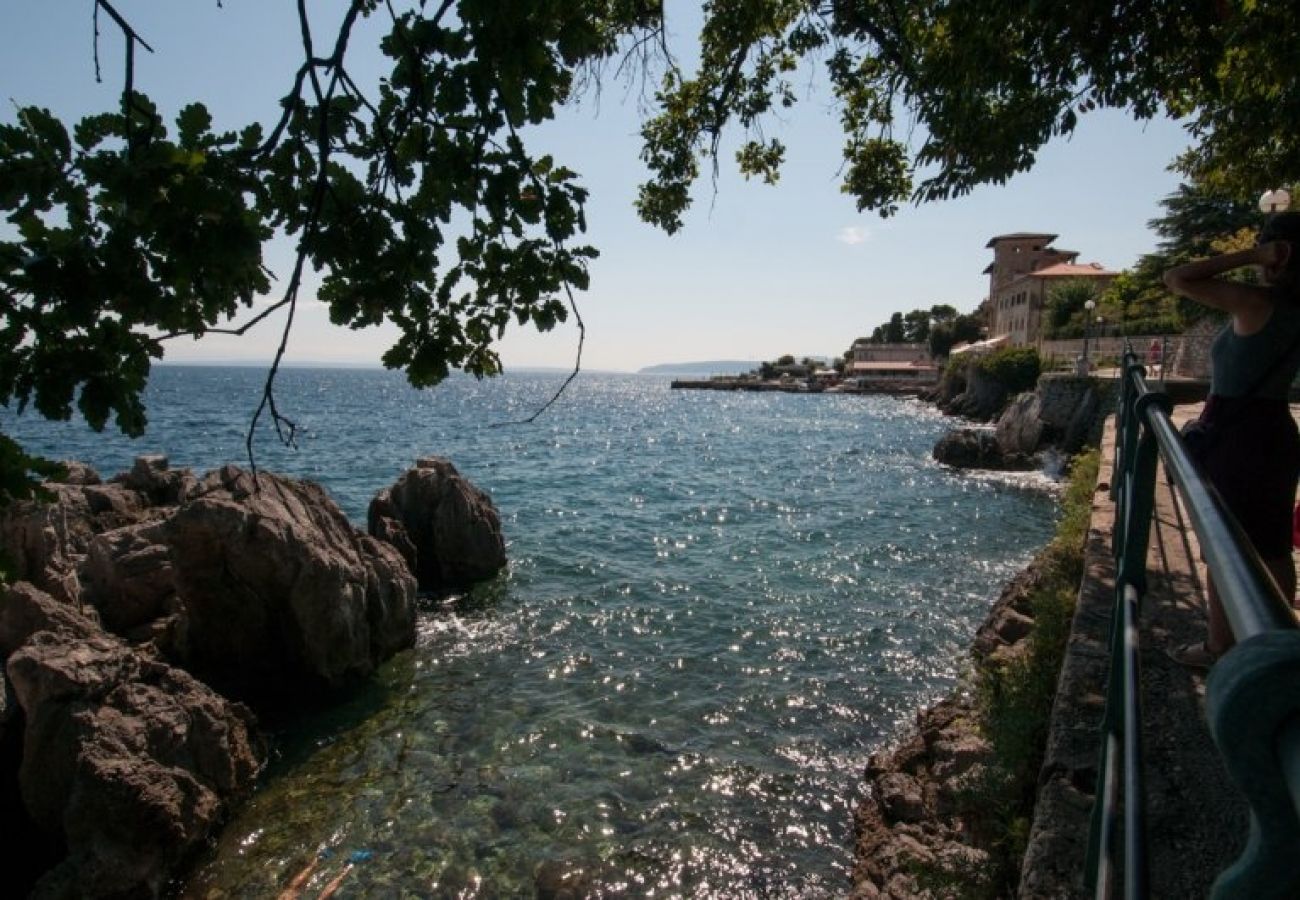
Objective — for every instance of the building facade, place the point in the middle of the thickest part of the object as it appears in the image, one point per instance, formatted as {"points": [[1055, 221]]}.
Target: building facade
{"points": [[891, 366], [1024, 270]]}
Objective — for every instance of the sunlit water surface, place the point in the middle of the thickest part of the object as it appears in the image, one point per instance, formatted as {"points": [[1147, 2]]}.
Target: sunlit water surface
{"points": [[717, 605]]}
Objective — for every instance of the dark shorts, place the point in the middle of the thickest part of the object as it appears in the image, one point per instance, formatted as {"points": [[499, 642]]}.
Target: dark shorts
{"points": [[1253, 462]]}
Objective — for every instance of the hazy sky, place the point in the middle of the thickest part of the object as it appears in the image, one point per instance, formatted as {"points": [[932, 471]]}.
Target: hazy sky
{"points": [[758, 271]]}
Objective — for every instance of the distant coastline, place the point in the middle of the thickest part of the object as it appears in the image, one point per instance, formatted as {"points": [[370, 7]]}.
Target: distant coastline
{"points": [[705, 367]]}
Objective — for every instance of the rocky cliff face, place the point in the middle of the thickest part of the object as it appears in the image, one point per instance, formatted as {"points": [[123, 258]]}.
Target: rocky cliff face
{"points": [[1063, 412]]}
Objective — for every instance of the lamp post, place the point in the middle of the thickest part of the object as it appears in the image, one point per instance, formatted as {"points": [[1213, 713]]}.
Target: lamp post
{"points": [[1275, 201], [1088, 306]]}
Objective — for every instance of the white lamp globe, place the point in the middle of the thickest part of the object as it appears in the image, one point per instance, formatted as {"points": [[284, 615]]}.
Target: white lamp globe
{"points": [[1276, 200]]}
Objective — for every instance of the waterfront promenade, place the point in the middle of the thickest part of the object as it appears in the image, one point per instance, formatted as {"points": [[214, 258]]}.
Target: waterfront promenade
{"points": [[1196, 820]]}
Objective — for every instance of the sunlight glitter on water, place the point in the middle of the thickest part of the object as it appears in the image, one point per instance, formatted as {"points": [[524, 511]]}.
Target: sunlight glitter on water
{"points": [[717, 606]]}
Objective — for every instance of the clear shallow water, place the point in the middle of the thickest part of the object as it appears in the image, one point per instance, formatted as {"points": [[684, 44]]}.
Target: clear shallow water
{"points": [[718, 605]]}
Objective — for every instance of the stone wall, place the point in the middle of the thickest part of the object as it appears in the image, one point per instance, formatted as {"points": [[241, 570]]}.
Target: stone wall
{"points": [[1192, 358]]}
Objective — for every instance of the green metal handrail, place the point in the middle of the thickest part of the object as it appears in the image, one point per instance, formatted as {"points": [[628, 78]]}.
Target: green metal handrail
{"points": [[1253, 693]]}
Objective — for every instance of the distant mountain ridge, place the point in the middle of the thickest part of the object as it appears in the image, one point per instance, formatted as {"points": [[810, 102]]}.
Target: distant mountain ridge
{"points": [[704, 367]]}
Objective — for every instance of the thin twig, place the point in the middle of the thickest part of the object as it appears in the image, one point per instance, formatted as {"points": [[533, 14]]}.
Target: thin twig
{"points": [[324, 98], [577, 367]]}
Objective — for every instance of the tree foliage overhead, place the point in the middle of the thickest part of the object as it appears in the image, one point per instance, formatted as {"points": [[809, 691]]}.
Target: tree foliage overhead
{"points": [[420, 202], [940, 96], [130, 234]]}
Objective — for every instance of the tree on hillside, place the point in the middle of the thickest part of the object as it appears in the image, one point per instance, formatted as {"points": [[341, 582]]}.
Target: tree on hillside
{"points": [[916, 326], [139, 226], [892, 332], [948, 333], [1065, 313]]}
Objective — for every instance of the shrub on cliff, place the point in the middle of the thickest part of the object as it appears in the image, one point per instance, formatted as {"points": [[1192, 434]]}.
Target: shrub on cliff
{"points": [[1017, 368]]}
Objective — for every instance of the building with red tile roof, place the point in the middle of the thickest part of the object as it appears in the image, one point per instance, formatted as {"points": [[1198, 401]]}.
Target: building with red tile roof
{"points": [[1024, 270]]}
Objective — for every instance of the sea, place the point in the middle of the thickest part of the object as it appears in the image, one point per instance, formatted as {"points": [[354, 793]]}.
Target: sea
{"points": [[717, 606]]}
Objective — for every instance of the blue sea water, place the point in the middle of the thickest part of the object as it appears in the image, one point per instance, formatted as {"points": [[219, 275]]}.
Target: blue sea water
{"points": [[717, 606]]}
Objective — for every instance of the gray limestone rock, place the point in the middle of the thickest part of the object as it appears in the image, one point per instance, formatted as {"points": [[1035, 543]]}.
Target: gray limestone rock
{"points": [[1020, 427]]}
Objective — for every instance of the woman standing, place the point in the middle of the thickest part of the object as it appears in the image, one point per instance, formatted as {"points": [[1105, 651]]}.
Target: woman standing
{"points": [[1252, 452]]}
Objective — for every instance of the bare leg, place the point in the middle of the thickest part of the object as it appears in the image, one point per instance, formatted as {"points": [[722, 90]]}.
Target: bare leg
{"points": [[1218, 638], [1283, 570]]}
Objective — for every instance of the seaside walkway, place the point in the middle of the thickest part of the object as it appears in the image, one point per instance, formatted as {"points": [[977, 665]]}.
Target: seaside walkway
{"points": [[1197, 821]]}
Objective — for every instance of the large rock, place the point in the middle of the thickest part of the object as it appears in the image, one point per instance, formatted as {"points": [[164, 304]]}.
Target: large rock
{"points": [[127, 762], [130, 578], [277, 590], [448, 529], [1020, 427], [259, 592], [968, 448], [981, 396], [47, 542]]}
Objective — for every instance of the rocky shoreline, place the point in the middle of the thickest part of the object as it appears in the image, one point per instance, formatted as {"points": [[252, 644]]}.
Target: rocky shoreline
{"points": [[916, 831], [153, 620], [916, 834]]}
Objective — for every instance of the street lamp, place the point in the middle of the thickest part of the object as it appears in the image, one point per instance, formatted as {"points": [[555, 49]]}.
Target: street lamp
{"points": [[1274, 201], [1088, 306]]}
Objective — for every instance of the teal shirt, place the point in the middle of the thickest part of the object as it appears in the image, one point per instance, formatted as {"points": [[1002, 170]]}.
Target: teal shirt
{"points": [[1238, 363]]}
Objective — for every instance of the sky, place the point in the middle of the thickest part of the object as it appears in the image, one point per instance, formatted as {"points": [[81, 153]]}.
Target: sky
{"points": [[758, 271]]}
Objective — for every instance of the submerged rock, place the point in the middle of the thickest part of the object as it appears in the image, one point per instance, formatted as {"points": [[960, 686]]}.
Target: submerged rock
{"points": [[447, 529]]}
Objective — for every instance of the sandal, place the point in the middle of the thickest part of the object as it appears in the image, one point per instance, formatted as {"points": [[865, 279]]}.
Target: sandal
{"points": [[1193, 656]]}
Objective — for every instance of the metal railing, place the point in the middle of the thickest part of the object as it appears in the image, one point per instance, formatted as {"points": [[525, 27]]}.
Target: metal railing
{"points": [[1253, 692]]}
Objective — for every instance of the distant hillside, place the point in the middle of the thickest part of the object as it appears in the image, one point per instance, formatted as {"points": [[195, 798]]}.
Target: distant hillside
{"points": [[706, 367]]}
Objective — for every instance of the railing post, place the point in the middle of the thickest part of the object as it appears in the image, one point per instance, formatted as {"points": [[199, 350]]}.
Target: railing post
{"points": [[1133, 487], [1126, 424]]}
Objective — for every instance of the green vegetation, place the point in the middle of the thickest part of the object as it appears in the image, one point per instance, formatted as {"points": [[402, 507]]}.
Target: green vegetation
{"points": [[1066, 315], [1015, 698], [940, 326], [1017, 368], [1197, 222]]}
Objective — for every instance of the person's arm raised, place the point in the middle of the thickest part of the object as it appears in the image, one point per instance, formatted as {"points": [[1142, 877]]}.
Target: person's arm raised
{"points": [[1249, 304]]}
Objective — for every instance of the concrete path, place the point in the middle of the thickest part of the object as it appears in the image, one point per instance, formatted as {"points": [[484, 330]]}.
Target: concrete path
{"points": [[1196, 821]]}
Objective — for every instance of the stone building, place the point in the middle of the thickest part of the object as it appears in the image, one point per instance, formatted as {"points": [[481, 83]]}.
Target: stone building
{"points": [[1025, 268]]}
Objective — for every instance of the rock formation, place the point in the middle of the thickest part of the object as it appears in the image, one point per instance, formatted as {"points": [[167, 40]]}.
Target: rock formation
{"points": [[116, 759], [1065, 412], [916, 836], [447, 530], [258, 592], [127, 762], [968, 448], [275, 587], [971, 393]]}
